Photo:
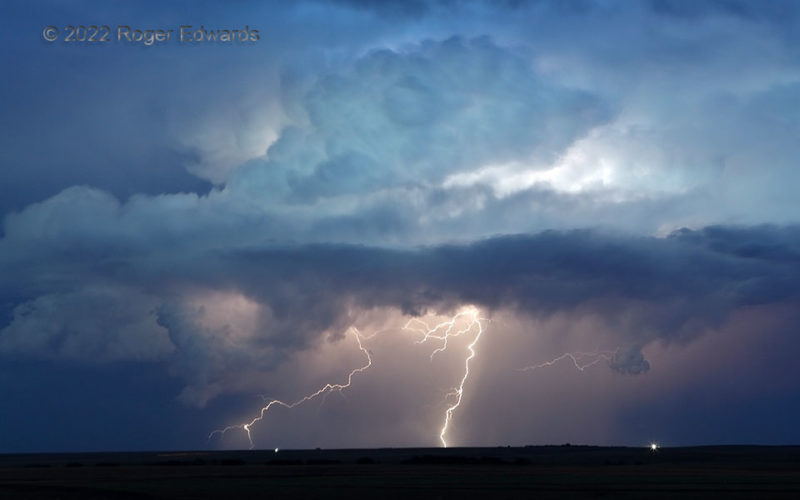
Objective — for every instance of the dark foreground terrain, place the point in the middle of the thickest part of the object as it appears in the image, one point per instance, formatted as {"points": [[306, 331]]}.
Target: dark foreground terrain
{"points": [[530, 472]]}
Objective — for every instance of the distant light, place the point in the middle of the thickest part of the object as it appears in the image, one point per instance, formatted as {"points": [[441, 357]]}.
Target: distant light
{"points": [[653, 447], [276, 450]]}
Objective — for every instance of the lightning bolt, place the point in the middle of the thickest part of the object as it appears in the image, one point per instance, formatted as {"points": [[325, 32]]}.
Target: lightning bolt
{"points": [[326, 389], [446, 327], [443, 331], [579, 359]]}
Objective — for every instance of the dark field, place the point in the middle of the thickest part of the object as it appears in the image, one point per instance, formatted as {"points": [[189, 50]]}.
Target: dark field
{"points": [[529, 472]]}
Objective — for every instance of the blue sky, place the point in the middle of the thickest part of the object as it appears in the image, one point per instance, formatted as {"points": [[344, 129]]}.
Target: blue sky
{"points": [[193, 228]]}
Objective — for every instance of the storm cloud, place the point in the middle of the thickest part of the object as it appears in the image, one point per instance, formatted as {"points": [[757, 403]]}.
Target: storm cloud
{"points": [[646, 288], [608, 175]]}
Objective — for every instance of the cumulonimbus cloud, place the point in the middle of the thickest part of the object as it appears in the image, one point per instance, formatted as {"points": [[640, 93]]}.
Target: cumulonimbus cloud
{"points": [[386, 189]]}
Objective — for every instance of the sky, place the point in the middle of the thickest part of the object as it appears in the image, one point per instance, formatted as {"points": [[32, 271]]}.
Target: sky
{"points": [[595, 200]]}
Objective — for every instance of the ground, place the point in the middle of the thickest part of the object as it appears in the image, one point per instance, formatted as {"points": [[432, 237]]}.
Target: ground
{"points": [[463, 473]]}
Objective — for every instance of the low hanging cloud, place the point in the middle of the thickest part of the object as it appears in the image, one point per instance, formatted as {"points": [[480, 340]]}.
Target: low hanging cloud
{"points": [[630, 361], [92, 323], [670, 289]]}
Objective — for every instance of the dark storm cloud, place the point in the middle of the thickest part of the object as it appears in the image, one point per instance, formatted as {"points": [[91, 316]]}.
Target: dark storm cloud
{"points": [[767, 243], [647, 288], [688, 272], [629, 361]]}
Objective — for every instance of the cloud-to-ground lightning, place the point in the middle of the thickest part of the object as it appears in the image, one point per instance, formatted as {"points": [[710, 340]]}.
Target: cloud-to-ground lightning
{"points": [[326, 389], [581, 360], [443, 331]]}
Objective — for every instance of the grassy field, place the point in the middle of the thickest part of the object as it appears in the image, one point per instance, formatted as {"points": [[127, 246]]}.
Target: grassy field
{"points": [[464, 473]]}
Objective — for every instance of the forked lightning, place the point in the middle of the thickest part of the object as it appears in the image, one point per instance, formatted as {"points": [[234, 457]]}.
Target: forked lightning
{"points": [[327, 388], [447, 329], [581, 360], [443, 331]]}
